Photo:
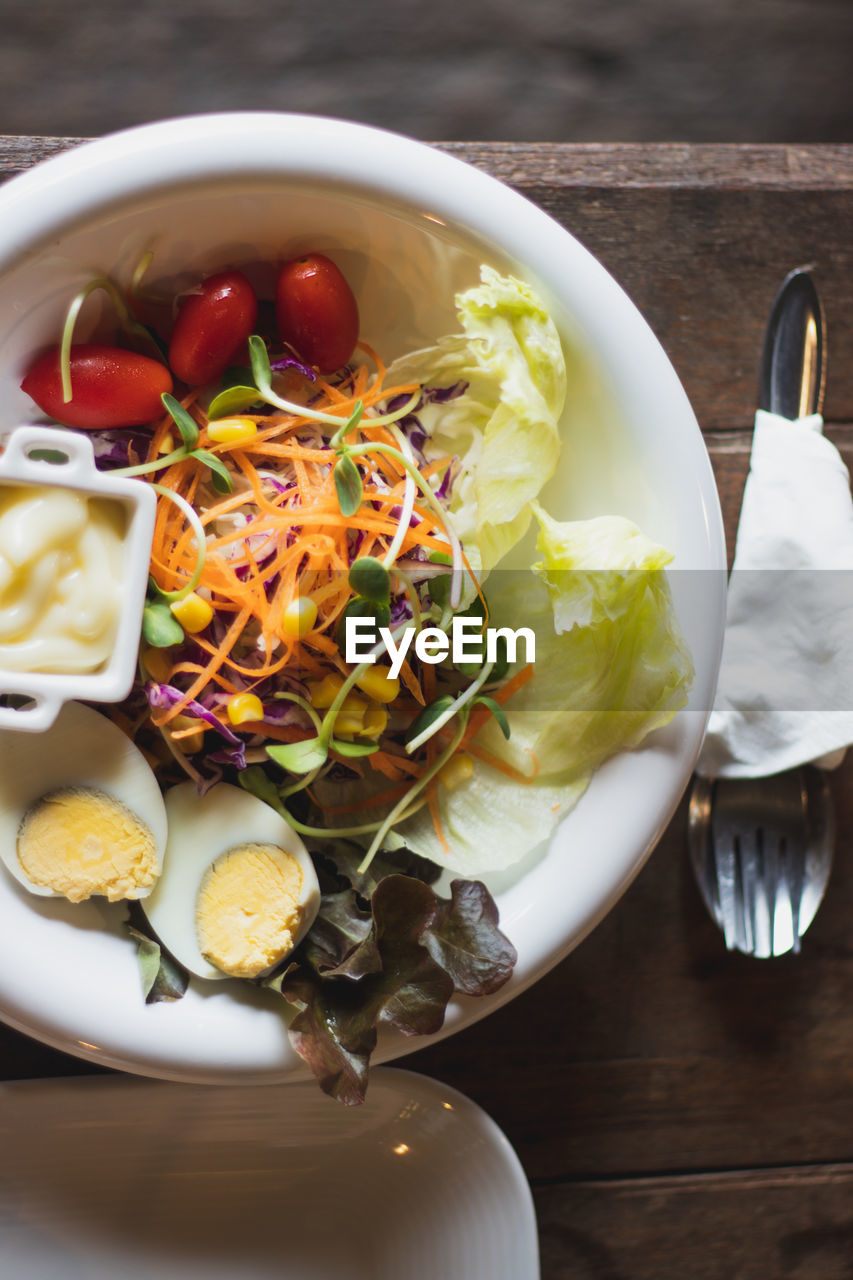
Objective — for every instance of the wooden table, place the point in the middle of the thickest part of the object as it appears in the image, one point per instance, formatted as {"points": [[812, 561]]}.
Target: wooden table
{"points": [[679, 1111]]}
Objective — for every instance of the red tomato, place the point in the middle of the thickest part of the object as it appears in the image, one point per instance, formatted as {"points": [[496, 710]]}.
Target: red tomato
{"points": [[316, 311], [110, 387], [212, 326]]}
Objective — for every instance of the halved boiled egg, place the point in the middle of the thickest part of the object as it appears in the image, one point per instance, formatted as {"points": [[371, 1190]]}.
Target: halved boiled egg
{"points": [[81, 814], [238, 889]]}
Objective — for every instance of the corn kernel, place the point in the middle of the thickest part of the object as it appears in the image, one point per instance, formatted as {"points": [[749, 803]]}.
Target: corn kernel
{"points": [[457, 770], [243, 707], [375, 721], [299, 617], [231, 430], [350, 717], [322, 693], [378, 684], [189, 743], [193, 612], [167, 444], [157, 665]]}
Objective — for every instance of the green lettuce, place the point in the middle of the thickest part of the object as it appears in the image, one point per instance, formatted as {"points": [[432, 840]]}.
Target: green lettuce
{"points": [[611, 666], [596, 569], [504, 427]]}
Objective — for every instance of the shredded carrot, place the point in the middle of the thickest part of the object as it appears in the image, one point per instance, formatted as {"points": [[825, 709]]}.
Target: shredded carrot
{"points": [[199, 727], [393, 766], [280, 536], [435, 814], [410, 680], [480, 715], [503, 766], [280, 532]]}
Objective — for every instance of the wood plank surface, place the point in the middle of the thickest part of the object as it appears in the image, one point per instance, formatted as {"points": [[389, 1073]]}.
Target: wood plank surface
{"points": [[786, 1224], [679, 1110], [772, 70]]}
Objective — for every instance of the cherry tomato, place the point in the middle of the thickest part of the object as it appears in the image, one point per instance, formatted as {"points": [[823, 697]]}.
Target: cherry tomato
{"points": [[316, 311], [110, 387], [211, 328]]}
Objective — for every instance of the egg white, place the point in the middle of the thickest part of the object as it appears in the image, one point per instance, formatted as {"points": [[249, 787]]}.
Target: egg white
{"points": [[81, 749], [201, 829]]}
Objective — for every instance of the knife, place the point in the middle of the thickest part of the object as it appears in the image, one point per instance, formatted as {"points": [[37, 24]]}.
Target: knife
{"points": [[793, 361], [743, 839]]}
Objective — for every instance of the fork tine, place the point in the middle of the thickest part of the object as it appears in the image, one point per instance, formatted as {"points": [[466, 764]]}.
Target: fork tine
{"points": [[749, 877], [795, 897], [724, 855], [796, 885], [792, 843], [772, 853]]}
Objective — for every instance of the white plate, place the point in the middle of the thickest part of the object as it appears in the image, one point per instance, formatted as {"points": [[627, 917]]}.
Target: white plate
{"points": [[118, 1177], [411, 225]]}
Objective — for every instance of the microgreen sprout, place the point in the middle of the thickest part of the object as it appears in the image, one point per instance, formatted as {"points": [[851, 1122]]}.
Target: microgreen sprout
{"points": [[408, 505], [160, 627], [139, 272], [183, 420], [262, 373], [188, 428], [348, 485], [389, 451], [220, 476], [237, 399], [311, 753], [131, 326], [412, 595], [337, 440], [258, 783], [350, 490], [448, 711], [399, 810], [358, 607], [200, 539], [369, 578]]}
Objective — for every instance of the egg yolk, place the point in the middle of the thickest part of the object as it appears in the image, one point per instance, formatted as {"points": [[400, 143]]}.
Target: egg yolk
{"points": [[79, 842], [248, 910]]}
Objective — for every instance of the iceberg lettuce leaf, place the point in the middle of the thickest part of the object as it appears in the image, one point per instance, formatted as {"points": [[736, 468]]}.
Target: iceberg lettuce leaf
{"points": [[611, 662], [504, 426], [490, 822], [593, 569], [611, 666]]}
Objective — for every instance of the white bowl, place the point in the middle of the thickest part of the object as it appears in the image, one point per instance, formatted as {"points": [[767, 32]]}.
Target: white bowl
{"points": [[423, 1184], [409, 225]]}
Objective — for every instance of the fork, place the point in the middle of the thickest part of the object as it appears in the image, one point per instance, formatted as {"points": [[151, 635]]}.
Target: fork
{"points": [[761, 850]]}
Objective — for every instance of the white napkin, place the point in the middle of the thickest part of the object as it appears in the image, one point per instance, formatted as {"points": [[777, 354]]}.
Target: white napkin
{"points": [[785, 692]]}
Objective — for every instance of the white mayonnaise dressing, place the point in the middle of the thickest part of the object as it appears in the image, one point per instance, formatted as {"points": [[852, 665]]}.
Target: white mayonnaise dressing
{"points": [[60, 578]]}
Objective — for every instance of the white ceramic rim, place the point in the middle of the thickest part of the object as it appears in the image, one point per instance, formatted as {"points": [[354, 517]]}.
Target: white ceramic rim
{"points": [[448, 1141], [424, 182]]}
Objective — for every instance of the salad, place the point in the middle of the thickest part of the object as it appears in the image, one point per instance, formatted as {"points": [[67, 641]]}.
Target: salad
{"points": [[327, 528]]}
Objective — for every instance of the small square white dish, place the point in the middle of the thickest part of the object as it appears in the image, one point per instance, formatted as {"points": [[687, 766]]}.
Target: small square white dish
{"points": [[53, 458], [137, 1179]]}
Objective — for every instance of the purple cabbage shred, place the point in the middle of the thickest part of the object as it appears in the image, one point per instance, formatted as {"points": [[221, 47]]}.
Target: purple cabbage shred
{"points": [[291, 362], [235, 756], [166, 695]]}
